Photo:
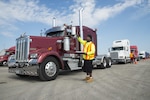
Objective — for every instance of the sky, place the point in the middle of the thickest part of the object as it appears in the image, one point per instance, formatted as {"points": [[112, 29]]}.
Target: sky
{"points": [[113, 19]]}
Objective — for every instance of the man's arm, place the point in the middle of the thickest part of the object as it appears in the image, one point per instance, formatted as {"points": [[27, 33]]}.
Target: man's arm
{"points": [[81, 40]]}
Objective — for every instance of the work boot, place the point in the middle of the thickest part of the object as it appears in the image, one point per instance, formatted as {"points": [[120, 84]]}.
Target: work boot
{"points": [[89, 80]]}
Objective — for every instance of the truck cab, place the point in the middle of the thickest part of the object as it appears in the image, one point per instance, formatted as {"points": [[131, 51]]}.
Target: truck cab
{"points": [[120, 51], [142, 54], [4, 55], [45, 56], [59, 49], [134, 48]]}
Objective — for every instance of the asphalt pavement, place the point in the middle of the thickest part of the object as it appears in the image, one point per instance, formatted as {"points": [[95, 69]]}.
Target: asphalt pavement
{"points": [[120, 82]]}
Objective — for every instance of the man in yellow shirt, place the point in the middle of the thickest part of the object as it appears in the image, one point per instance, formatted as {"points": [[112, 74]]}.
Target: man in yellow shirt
{"points": [[132, 57], [88, 56]]}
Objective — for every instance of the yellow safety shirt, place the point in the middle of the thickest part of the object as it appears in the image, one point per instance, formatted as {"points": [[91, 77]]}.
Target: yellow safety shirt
{"points": [[131, 55], [89, 49]]}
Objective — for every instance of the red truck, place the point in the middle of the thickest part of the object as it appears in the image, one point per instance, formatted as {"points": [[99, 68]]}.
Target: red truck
{"points": [[134, 48], [45, 56], [5, 55]]}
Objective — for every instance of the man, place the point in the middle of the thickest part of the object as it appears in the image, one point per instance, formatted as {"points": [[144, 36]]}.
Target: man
{"points": [[132, 56], [88, 56]]}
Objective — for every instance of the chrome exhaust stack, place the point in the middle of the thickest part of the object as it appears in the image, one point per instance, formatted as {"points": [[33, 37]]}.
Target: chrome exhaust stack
{"points": [[54, 22], [81, 26]]}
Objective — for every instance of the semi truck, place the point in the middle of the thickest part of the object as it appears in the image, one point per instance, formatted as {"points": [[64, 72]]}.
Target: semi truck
{"points": [[134, 48], [144, 55], [4, 55], [120, 51], [45, 56]]}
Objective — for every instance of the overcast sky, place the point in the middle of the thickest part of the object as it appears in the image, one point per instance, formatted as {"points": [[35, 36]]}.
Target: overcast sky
{"points": [[114, 19]]}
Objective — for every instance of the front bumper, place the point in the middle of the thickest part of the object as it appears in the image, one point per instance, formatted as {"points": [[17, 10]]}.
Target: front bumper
{"points": [[30, 68], [118, 60]]}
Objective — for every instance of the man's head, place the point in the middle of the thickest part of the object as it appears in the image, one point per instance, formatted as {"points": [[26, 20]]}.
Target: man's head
{"points": [[89, 38]]}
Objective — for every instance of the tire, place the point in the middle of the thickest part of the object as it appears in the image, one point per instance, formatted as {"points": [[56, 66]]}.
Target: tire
{"points": [[109, 62], [4, 63], [125, 61], [104, 63], [49, 69]]}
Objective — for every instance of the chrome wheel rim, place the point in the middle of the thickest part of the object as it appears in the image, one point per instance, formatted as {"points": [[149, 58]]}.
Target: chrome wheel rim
{"points": [[50, 69], [109, 62], [104, 63]]}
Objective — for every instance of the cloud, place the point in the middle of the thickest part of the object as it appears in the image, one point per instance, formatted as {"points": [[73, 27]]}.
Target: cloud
{"points": [[32, 11], [13, 11], [143, 9], [7, 34], [25, 10], [93, 15]]}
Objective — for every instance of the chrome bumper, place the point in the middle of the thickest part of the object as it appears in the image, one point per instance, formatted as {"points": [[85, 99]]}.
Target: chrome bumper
{"points": [[30, 68], [118, 60]]}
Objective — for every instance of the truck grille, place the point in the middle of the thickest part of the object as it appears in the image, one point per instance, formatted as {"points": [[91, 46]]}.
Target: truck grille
{"points": [[114, 55], [22, 49]]}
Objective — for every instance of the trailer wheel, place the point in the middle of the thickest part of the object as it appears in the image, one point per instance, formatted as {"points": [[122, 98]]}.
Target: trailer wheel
{"points": [[104, 63], [109, 62], [49, 69]]}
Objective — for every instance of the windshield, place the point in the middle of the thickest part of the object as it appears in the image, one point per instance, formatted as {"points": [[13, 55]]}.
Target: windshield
{"points": [[56, 34], [117, 48], [141, 54], [133, 49], [4, 52]]}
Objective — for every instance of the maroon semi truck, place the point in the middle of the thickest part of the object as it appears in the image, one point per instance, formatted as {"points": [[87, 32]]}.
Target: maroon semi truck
{"points": [[45, 56], [134, 48], [5, 55]]}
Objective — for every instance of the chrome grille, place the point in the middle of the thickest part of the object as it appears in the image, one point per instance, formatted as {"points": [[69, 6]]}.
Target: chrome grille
{"points": [[22, 49], [114, 55]]}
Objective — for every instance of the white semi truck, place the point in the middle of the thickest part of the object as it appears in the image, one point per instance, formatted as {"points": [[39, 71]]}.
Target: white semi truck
{"points": [[143, 54], [120, 51]]}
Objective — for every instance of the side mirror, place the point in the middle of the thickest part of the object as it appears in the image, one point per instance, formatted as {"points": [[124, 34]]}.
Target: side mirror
{"points": [[73, 30]]}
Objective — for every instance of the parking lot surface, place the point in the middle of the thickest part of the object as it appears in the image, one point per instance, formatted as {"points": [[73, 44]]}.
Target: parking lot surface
{"points": [[120, 82]]}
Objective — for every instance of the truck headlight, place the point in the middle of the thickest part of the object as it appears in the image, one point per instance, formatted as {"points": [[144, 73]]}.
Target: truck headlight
{"points": [[33, 56]]}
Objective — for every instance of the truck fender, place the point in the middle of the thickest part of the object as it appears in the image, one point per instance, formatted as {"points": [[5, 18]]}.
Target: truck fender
{"points": [[102, 58], [51, 53]]}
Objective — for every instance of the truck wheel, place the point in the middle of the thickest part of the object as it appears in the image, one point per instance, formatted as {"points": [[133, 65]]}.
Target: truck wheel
{"points": [[109, 62], [125, 61], [4, 63], [49, 69], [104, 63]]}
